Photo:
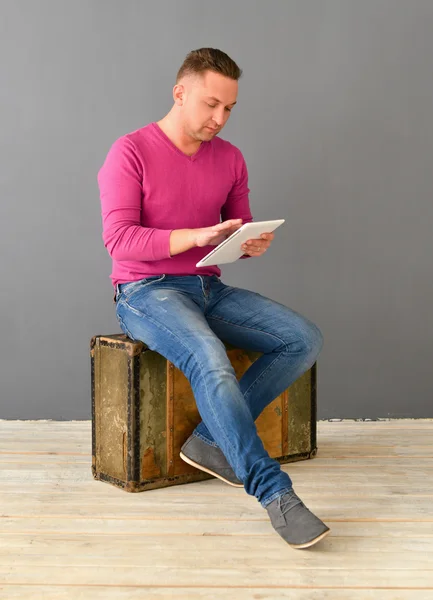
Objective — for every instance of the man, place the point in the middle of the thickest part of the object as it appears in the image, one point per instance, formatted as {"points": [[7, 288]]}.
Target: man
{"points": [[164, 189]]}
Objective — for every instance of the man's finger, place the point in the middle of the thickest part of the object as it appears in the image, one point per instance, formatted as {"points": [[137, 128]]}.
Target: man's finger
{"points": [[226, 225]]}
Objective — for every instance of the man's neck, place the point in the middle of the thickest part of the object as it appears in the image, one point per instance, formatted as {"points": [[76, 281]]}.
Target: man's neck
{"points": [[176, 134]]}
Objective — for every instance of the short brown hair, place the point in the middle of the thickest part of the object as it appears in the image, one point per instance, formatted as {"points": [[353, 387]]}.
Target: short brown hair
{"points": [[209, 59]]}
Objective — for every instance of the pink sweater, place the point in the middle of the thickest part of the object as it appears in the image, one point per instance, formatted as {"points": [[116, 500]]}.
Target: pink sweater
{"points": [[148, 187]]}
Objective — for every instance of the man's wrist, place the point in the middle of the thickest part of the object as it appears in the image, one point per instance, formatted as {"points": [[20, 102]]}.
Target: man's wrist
{"points": [[192, 238]]}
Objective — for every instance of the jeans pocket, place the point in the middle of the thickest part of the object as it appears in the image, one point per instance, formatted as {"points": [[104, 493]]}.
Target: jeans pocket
{"points": [[128, 290]]}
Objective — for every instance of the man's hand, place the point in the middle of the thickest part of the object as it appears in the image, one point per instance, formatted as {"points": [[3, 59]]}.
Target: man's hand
{"points": [[214, 235], [257, 247]]}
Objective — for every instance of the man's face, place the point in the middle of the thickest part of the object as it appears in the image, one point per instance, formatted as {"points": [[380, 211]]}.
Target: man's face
{"points": [[208, 100]]}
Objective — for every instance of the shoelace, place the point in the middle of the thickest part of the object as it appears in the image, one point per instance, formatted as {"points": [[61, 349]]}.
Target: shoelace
{"points": [[288, 501]]}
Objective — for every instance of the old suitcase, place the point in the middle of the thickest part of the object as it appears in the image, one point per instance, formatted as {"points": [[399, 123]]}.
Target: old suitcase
{"points": [[143, 410]]}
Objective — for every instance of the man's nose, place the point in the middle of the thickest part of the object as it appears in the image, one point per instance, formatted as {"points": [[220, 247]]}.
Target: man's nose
{"points": [[219, 118]]}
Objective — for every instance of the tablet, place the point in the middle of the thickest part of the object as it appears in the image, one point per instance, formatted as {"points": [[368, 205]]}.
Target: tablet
{"points": [[230, 249]]}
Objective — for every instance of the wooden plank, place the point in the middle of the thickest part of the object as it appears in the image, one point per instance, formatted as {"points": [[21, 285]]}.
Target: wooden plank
{"points": [[147, 506], [171, 374], [401, 552], [200, 527], [152, 555], [128, 592], [236, 576], [131, 526], [74, 476], [154, 419], [299, 414]]}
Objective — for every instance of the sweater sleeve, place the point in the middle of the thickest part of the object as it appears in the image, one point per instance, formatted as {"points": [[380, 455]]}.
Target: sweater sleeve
{"points": [[237, 205], [120, 186]]}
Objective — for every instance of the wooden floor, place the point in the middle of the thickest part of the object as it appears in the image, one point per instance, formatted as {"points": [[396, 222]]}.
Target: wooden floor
{"points": [[65, 535]]}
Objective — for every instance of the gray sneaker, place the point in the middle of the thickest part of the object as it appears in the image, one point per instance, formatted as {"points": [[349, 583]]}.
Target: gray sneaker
{"points": [[294, 522], [210, 459]]}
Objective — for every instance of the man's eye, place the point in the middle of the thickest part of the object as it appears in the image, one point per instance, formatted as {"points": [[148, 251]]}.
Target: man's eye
{"points": [[214, 106]]}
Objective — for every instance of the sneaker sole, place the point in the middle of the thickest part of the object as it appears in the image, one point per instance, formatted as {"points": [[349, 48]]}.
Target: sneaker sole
{"points": [[311, 542], [197, 466]]}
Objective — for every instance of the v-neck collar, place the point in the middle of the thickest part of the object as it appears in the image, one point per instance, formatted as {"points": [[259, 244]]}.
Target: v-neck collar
{"points": [[167, 140]]}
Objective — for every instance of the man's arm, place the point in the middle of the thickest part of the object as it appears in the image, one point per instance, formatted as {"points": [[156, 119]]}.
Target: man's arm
{"points": [[237, 205], [120, 185]]}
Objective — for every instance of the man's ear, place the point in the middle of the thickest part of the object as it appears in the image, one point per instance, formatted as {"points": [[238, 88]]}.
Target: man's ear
{"points": [[179, 94]]}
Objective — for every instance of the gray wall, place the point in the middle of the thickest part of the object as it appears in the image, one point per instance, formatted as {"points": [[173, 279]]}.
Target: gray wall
{"points": [[335, 121]]}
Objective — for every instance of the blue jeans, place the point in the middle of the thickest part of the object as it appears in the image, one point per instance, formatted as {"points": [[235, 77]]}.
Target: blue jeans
{"points": [[185, 318]]}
